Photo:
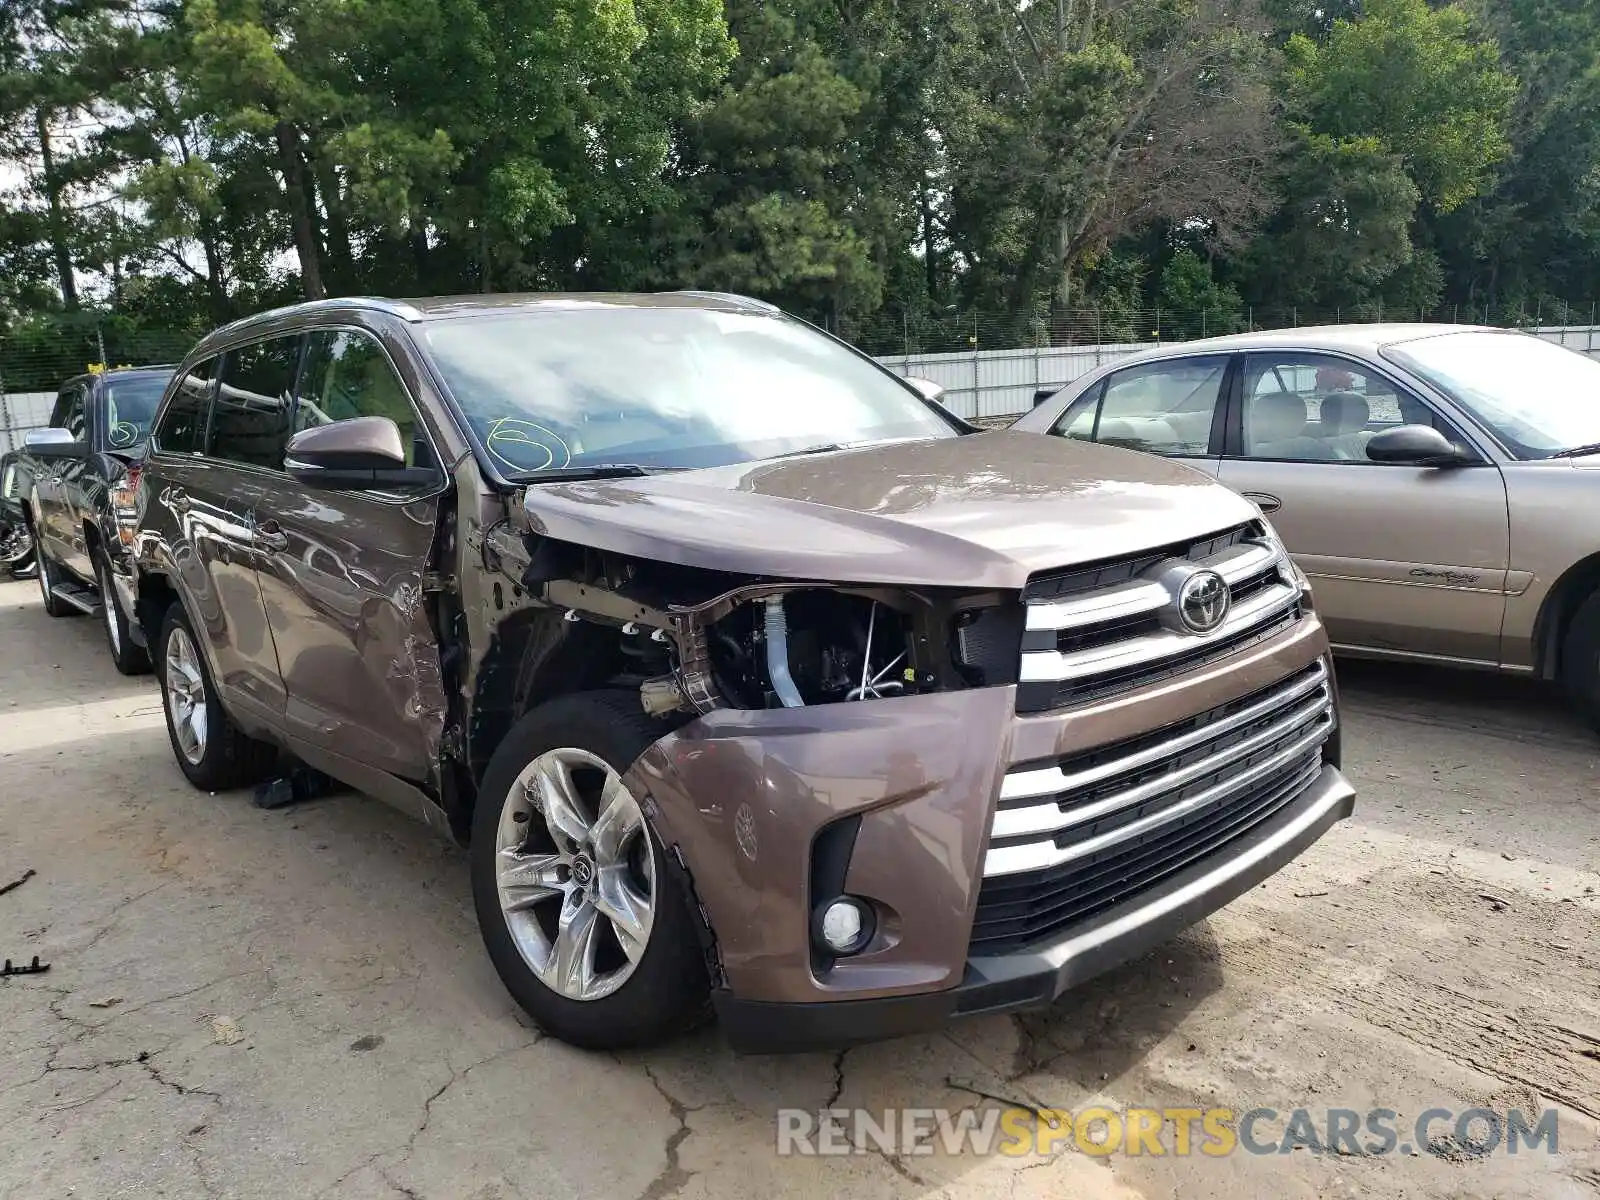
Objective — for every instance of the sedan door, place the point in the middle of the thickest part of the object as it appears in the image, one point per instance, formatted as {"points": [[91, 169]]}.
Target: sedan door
{"points": [[1403, 560], [1171, 407], [343, 578]]}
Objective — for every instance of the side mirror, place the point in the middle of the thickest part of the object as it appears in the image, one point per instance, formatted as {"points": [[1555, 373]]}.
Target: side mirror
{"points": [[929, 389], [362, 452], [1418, 445], [1043, 394], [55, 443]]}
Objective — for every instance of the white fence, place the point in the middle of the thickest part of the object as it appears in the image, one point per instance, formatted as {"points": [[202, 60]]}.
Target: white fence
{"points": [[20, 412], [998, 383]]}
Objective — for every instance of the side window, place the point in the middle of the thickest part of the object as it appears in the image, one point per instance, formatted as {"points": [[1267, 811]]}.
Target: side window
{"points": [[348, 375], [250, 416], [1160, 408], [182, 429], [69, 414], [1313, 408]]}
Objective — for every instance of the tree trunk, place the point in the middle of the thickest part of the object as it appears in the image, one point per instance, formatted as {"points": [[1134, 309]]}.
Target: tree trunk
{"points": [[60, 251], [419, 253], [341, 258], [292, 165], [930, 252], [210, 242], [1065, 252]]}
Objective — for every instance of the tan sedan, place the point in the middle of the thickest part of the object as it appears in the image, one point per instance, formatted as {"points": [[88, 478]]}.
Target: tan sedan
{"points": [[1438, 484]]}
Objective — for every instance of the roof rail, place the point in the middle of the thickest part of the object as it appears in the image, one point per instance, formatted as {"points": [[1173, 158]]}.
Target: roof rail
{"points": [[395, 308], [728, 298]]}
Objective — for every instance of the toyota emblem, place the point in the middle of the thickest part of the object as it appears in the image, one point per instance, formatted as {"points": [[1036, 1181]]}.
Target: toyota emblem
{"points": [[1203, 601]]}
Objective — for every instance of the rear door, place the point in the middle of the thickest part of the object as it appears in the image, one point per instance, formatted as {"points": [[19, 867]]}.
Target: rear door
{"points": [[249, 432], [206, 506], [342, 575], [1171, 407], [1403, 559]]}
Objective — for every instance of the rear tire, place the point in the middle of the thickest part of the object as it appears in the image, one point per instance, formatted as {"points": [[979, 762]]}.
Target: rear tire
{"points": [[211, 751], [129, 658], [1580, 660], [47, 580], [572, 887]]}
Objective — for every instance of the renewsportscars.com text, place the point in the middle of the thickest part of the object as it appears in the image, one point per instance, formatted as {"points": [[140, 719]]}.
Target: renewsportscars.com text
{"points": [[1179, 1132]]}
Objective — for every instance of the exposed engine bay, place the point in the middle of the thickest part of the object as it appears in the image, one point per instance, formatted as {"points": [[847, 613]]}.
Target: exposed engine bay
{"points": [[694, 641], [811, 647]]}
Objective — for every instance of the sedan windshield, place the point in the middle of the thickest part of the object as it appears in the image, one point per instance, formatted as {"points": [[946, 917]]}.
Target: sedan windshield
{"points": [[602, 385], [1537, 397], [130, 403]]}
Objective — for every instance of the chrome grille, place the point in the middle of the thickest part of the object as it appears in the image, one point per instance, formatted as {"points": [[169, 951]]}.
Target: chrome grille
{"points": [[1089, 640], [1072, 838]]}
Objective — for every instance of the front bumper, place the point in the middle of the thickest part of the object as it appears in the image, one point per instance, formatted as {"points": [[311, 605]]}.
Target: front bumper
{"points": [[1034, 979], [749, 802]]}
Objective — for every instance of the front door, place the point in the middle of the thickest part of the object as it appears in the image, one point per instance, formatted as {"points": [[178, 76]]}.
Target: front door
{"points": [[342, 577], [53, 476], [1402, 559]]}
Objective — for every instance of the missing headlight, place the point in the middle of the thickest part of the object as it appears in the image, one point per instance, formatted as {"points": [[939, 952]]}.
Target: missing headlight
{"points": [[812, 646]]}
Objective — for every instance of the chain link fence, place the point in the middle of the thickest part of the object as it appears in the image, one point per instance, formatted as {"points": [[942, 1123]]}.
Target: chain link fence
{"points": [[34, 363]]}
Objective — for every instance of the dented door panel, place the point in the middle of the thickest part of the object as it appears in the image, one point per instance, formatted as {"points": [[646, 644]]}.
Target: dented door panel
{"points": [[342, 582]]}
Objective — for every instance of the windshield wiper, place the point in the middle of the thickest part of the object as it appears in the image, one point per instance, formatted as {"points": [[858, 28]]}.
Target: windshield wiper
{"points": [[598, 471], [1577, 451], [821, 448]]}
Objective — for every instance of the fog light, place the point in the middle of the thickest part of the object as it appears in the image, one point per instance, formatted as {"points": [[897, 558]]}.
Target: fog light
{"points": [[844, 926]]}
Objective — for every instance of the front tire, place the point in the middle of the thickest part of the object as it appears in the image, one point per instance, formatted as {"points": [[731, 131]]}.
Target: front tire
{"points": [[129, 658], [211, 751], [588, 927]]}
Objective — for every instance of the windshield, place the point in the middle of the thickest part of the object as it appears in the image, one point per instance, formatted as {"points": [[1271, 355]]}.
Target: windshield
{"points": [[1539, 398], [664, 387], [130, 403]]}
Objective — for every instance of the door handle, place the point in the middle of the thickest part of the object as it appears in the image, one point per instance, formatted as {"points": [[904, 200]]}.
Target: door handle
{"points": [[270, 536], [176, 499], [1265, 501]]}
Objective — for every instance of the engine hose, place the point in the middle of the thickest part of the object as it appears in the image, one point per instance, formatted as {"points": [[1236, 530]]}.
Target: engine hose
{"points": [[778, 654]]}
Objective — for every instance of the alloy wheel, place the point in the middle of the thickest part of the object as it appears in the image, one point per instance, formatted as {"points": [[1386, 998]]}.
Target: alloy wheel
{"points": [[186, 695], [575, 874]]}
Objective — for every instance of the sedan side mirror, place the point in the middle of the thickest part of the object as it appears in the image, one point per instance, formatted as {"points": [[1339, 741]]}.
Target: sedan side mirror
{"points": [[929, 389], [362, 452], [1416, 445], [55, 443]]}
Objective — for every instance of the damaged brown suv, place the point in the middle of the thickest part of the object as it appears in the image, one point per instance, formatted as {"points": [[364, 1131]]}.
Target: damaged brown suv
{"points": [[754, 680]]}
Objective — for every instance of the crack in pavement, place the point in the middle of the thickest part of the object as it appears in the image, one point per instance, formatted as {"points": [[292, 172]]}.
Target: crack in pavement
{"points": [[404, 1150], [673, 1177], [838, 1079]]}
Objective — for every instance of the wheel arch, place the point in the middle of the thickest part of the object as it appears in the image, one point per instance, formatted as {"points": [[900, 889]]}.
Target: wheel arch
{"points": [[1561, 603], [154, 597]]}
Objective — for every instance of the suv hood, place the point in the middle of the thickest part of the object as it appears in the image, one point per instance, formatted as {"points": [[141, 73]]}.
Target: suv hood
{"points": [[984, 510]]}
